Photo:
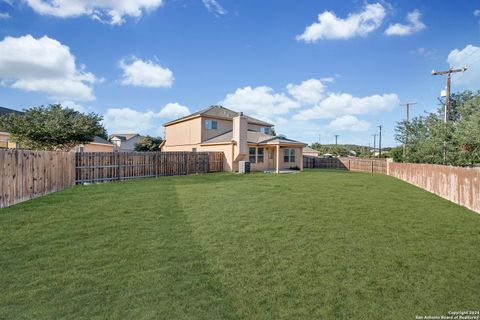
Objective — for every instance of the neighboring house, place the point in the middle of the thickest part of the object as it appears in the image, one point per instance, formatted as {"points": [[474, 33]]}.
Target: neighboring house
{"points": [[307, 151], [5, 141], [97, 145], [238, 136], [124, 142]]}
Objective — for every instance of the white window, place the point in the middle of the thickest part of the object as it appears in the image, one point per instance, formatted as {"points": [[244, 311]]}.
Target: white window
{"points": [[256, 155], [252, 155], [260, 155], [288, 155], [265, 130], [211, 125]]}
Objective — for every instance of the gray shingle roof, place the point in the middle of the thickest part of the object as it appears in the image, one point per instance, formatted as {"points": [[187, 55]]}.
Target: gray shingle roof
{"points": [[221, 112], [123, 136], [4, 111], [253, 137], [101, 140]]}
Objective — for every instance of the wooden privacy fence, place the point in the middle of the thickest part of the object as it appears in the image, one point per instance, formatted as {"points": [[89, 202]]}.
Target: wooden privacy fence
{"points": [[26, 174], [457, 184], [353, 164], [107, 166]]}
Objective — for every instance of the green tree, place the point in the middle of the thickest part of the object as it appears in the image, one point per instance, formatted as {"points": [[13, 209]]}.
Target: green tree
{"points": [[148, 143], [52, 127], [457, 142]]}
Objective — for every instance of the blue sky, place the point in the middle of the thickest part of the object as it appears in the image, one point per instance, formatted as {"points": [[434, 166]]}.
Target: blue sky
{"points": [[313, 68]]}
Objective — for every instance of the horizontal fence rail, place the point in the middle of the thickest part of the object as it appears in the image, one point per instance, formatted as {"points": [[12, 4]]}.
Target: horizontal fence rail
{"points": [[352, 164], [27, 174], [91, 167]]}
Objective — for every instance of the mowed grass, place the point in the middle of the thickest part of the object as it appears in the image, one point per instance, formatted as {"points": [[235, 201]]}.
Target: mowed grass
{"points": [[315, 245]]}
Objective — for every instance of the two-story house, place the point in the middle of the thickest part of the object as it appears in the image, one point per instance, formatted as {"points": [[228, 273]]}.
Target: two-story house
{"points": [[238, 136], [124, 141]]}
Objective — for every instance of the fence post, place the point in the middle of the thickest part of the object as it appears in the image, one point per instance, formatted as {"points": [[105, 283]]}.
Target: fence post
{"points": [[118, 165], [156, 164], [348, 164], [195, 158], [372, 165]]}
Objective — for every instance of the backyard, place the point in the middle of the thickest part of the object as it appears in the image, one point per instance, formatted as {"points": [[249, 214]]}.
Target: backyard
{"points": [[320, 244]]}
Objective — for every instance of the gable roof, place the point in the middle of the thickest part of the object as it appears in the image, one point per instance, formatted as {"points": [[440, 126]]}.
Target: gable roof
{"points": [[218, 112], [5, 111], [253, 137], [100, 140], [123, 136]]}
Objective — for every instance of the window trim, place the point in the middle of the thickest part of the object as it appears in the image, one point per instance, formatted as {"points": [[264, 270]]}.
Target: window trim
{"points": [[212, 126], [289, 154]]}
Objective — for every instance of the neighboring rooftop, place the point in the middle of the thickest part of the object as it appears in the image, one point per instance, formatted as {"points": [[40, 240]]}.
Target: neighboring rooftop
{"points": [[101, 140], [123, 136], [4, 111], [219, 112]]}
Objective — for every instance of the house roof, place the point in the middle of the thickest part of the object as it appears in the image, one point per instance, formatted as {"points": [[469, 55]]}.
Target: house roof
{"points": [[218, 112], [5, 111], [123, 136], [101, 141], [253, 137], [308, 149]]}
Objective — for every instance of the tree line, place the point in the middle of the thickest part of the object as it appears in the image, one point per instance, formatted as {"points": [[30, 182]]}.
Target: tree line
{"points": [[430, 140]]}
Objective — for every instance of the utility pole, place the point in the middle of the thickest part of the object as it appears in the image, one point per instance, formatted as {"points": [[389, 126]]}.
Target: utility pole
{"points": [[374, 143], [447, 100], [336, 139], [405, 151], [447, 88], [380, 142]]}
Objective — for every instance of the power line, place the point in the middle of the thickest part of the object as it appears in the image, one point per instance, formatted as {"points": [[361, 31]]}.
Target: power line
{"points": [[447, 101], [447, 88], [407, 107]]}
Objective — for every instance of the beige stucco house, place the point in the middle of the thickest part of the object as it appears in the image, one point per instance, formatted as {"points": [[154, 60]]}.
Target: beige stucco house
{"points": [[307, 151], [97, 145], [238, 136]]}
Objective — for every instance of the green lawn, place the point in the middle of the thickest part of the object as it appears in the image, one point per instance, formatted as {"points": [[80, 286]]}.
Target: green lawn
{"points": [[316, 245]]}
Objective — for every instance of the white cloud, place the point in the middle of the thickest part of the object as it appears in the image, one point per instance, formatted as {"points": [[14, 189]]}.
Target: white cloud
{"points": [[348, 123], [329, 26], [470, 55], [214, 6], [44, 65], [309, 91], [414, 25], [113, 10], [4, 15], [127, 120], [476, 13], [261, 102], [424, 52], [75, 106], [337, 104], [145, 74], [173, 111]]}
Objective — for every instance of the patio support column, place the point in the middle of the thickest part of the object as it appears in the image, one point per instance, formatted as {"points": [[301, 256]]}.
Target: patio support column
{"points": [[278, 159]]}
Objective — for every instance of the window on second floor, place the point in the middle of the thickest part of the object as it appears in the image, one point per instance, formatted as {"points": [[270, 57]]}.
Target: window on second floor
{"points": [[265, 130], [211, 125]]}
